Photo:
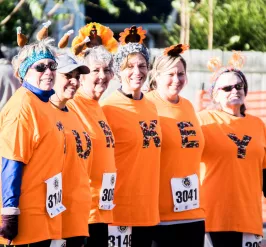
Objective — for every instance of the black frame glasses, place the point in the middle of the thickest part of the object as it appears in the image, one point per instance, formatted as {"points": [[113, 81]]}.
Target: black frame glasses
{"points": [[41, 67], [237, 86]]}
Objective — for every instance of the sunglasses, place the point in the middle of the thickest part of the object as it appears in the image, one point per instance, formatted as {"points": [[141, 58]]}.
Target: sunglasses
{"points": [[237, 86], [41, 67]]}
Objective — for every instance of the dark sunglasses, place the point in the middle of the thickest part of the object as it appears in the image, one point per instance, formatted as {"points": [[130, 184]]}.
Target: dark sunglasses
{"points": [[237, 86], [41, 67]]}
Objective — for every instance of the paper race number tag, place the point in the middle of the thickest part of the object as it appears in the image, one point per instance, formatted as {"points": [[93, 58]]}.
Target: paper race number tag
{"points": [[107, 191], [185, 193], [54, 195], [251, 240], [119, 236], [58, 243]]}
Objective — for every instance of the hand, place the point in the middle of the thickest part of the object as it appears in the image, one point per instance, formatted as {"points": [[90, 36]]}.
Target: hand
{"points": [[9, 228]]}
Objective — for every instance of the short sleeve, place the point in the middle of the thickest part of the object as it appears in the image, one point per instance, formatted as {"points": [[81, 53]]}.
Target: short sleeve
{"points": [[16, 137], [199, 117], [264, 161]]}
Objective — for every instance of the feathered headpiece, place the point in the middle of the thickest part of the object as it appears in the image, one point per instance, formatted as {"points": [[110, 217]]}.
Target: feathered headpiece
{"points": [[132, 35], [94, 34], [235, 63], [175, 50], [131, 42]]}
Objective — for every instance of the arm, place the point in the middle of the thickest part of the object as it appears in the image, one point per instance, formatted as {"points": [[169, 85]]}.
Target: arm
{"points": [[11, 177], [264, 182], [11, 182]]}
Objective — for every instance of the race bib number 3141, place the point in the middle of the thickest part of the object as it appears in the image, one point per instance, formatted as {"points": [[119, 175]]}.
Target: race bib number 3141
{"points": [[185, 192]]}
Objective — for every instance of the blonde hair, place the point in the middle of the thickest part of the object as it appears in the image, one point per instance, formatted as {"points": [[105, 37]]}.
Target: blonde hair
{"points": [[161, 64], [124, 63], [27, 51]]}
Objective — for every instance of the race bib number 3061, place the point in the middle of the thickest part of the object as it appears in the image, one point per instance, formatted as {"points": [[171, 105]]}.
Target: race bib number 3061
{"points": [[54, 194], [119, 236], [185, 192], [107, 191]]}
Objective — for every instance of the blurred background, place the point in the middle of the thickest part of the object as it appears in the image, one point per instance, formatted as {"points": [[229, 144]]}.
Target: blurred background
{"points": [[210, 27]]}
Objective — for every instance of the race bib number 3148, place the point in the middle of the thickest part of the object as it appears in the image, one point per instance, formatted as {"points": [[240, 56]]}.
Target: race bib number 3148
{"points": [[119, 236], [185, 192]]}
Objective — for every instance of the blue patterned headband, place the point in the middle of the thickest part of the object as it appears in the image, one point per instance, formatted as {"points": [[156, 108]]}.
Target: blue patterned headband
{"points": [[24, 66], [125, 50]]}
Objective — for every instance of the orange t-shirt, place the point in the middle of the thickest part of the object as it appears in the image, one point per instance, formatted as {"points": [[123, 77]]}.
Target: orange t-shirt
{"points": [[234, 155], [29, 134], [76, 187], [94, 121], [137, 133], [182, 146]]}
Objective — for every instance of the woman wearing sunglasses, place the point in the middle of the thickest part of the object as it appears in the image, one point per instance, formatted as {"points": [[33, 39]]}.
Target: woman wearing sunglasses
{"points": [[78, 153], [32, 151], [181, 212], [234, 155]]}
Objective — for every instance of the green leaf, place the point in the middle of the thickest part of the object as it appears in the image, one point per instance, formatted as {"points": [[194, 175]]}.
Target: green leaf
{"points": [[234, 39], [136, 6], [110, 7], [36, 9], [61, 16]]}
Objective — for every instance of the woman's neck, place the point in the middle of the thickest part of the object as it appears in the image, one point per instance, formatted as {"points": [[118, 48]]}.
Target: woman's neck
{"points": [[174, 99], [41, 94], [60, 104], [90, 96], [233, 110], [136, 94]]}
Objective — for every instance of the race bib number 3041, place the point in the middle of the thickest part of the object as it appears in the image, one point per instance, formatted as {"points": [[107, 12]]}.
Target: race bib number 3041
{"points": [[107, 191], [119, 236], [58, 243], [185, 192], [54, 195]]}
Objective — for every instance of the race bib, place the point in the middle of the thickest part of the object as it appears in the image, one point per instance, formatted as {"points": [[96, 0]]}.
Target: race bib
{"points": [[107, 191], [251, 240], [58, 243], [54, 195], [119, 236], [185, 193]]}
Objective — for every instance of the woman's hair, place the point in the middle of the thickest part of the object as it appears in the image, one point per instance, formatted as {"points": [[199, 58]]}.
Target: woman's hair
{"points": [[124, 63], [124, 52], [97, 54], [161, 64], [238, 73], [31, 53]]}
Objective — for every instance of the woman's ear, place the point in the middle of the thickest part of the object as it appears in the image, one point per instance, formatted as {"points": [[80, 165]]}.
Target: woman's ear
{"points": [[82, 79], [214, 97], [112, 73]]}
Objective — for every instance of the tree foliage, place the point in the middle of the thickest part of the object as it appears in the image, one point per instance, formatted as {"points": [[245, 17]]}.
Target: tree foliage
{"points": [[34, 12], [238, 25], [22, 18]]}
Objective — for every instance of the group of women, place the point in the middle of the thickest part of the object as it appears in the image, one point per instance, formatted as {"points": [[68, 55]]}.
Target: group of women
{"points": [[126, 171]]}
